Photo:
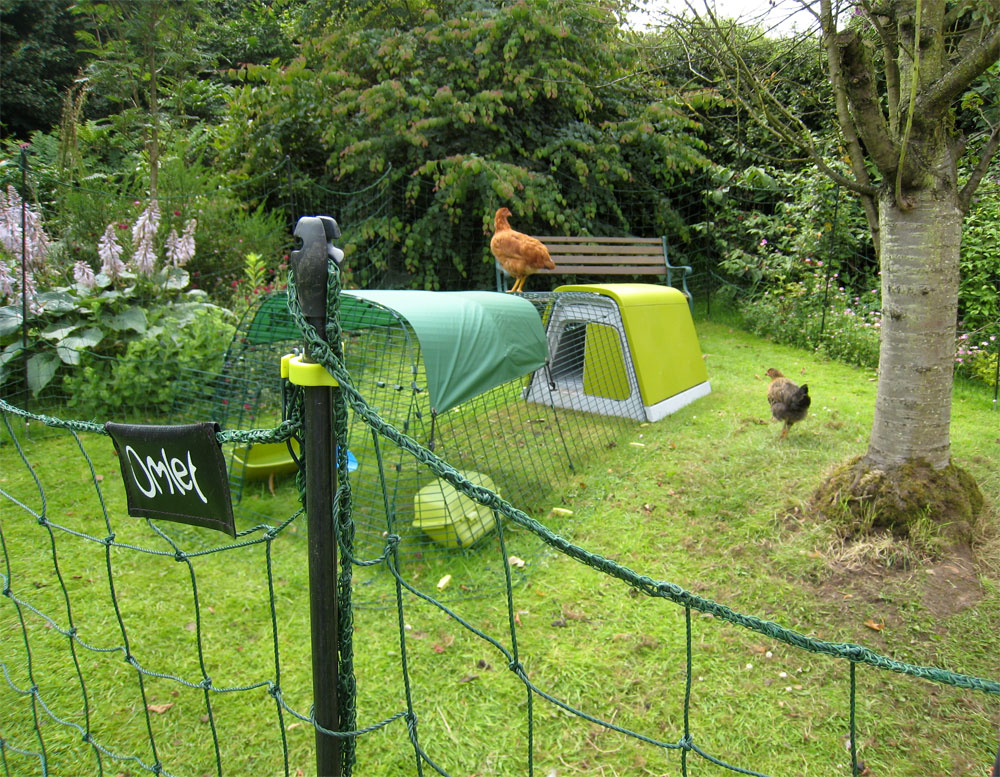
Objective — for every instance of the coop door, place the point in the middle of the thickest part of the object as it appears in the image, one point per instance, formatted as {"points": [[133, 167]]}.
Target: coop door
{"points": [[604, 370]]}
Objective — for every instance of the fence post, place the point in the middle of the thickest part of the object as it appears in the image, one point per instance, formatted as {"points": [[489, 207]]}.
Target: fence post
{"points": [[310, 265], [24, 269]]}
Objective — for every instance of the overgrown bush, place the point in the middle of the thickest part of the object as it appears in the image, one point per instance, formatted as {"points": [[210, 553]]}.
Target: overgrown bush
{"points": [[192, 336], [133, 296]]}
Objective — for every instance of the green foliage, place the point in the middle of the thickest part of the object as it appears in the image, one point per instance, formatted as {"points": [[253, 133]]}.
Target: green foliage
{"points": [[240, 32], [771, 226], [525, 106], [69, 325], [41, 57], [191, 335], [979, 291], [819, 314]]}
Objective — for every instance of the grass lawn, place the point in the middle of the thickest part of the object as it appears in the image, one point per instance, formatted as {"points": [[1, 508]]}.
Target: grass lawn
{"points": [[708, 499]]}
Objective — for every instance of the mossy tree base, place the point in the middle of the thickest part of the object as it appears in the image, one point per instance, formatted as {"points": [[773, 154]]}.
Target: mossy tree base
{"points": [[913, 501]]}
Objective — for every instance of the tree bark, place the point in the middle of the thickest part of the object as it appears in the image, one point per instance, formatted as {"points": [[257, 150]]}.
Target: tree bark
{"points": [[920, 275]]}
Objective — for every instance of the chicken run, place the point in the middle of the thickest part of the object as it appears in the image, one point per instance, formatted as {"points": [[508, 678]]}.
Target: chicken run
{"points": [[476, 378]]}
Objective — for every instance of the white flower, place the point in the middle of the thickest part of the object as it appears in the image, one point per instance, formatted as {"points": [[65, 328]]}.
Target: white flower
{"points": [[83, 275], [144, 258], [110, 251], [16, 222], [180, 250], [37, 243], [6, 280], [29, 287], [10, 220], [144, 229]]}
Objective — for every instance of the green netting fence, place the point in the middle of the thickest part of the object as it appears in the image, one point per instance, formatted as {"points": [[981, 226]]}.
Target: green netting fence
{"points": [[141, 646]]}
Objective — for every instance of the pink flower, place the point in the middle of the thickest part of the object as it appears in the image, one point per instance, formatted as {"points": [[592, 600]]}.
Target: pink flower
{"points": [[110, 251], [6, 281], [84, 275]]}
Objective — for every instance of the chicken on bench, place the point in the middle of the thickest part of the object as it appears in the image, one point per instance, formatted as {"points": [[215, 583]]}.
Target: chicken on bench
{"points": [[599, 256]]}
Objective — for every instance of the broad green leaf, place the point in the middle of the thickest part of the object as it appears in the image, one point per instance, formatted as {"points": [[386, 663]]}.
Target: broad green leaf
{"points": [[10, 320], [69, 349], [58, 331], [41, 369], [56, 301], [10, 352], [133, 318], [176, 278]]}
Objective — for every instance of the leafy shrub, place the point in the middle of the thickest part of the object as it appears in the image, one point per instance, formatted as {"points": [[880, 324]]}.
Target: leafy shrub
{"points": [[979, 291], [185, 336], [819, 314]]}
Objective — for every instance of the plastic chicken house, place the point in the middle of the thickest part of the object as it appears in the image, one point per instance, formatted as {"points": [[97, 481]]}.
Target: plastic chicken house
{"points": [[622, 349]]}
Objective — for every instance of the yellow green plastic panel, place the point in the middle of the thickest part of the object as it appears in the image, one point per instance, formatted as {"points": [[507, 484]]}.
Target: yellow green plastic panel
{"points": [[451, 518], [660, 334], [604, 370]]}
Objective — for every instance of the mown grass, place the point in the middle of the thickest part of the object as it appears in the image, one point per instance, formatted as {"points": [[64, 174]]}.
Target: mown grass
{"points": [[708, 499]]}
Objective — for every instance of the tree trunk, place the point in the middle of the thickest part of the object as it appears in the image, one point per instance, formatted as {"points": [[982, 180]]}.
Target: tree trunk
{"points": [[920, 274]]}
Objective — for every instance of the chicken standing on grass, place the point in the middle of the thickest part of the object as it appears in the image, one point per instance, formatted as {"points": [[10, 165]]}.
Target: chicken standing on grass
{"points": [[517, 254], [789, 403]]}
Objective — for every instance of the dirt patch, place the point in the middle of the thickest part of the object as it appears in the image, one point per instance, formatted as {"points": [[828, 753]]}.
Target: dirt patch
{"points": [[945, 586]]}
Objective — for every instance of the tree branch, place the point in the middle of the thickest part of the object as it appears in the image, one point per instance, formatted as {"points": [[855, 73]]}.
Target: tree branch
{"points": [[985, 157], [854, 63], [951, 84]]}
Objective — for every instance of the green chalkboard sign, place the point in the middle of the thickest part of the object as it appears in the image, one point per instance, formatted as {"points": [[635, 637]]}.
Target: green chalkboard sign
{"points": [[175, 473]]}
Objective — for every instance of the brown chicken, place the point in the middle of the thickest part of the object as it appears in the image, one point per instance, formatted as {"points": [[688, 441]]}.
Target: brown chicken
{"points": [[789, 403], [518, 255]]}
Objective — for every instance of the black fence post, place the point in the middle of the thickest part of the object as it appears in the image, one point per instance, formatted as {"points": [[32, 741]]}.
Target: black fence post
{"points": [[310, 266]]}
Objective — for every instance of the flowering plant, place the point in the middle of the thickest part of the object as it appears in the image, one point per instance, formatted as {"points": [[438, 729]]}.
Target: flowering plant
{"points": [[99, 312]]}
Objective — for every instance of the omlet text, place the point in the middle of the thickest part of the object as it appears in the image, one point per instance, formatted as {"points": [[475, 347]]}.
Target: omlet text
{"points": [[179, 476]]}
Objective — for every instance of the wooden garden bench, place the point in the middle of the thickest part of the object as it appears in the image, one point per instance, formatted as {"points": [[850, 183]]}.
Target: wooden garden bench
{"points": [[597, 256]]}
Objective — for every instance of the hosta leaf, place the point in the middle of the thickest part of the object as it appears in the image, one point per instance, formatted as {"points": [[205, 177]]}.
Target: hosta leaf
{"points": [[60, 331], [176, 278], [69, 348], [10, 320], [133, 318], [41, 368], [56, 301]]}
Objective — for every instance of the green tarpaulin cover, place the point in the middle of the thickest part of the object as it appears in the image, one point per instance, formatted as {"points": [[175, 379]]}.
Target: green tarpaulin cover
{"points": [[470, 341]]}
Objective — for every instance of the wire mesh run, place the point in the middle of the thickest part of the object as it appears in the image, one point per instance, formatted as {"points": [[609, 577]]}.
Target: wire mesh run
{"points": [[507, 439]]}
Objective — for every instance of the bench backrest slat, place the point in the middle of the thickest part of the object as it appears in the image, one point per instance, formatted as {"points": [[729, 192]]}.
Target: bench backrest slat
{"points": [[595, 256]]}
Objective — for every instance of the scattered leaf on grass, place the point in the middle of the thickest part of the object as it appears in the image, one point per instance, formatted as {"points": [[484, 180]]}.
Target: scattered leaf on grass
{"points": [[873, 625], [561, 511], [559, 623], [515, 561], [192, 626], [469, 678], [159, 709], [290, 726]]}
